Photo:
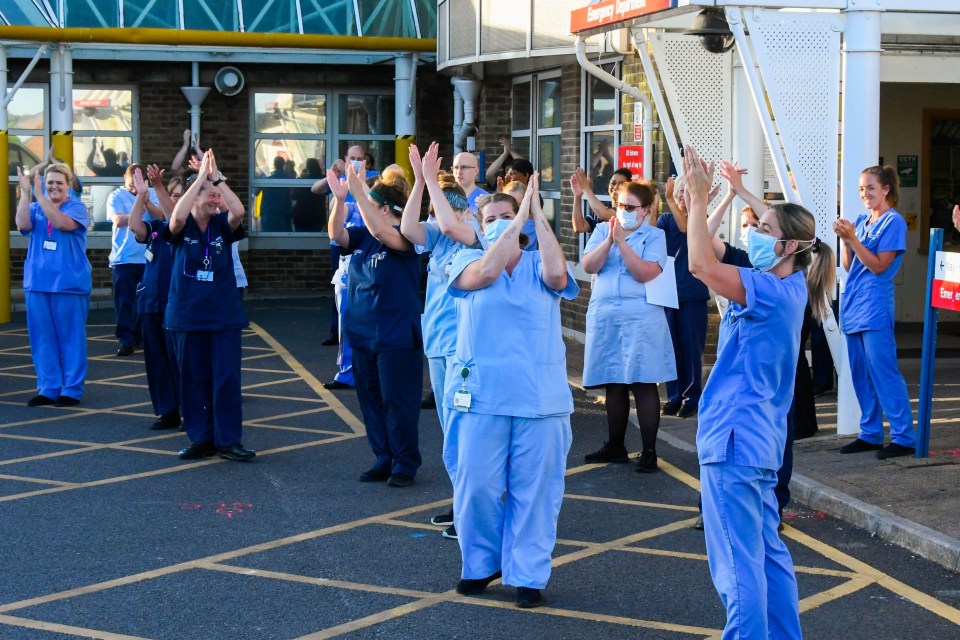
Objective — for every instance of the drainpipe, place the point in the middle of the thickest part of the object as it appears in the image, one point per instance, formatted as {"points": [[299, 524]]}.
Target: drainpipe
{"points": [[405, 107], [632, 91], [469, 90], [195, 95], [457, 121]]}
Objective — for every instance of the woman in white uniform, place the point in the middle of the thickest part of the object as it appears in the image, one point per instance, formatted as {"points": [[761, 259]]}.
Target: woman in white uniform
{"points": [[741, 429], [507, 401], [627, 348]]}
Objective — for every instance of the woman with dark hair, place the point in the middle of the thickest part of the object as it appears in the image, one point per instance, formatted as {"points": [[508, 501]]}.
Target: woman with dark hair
{"points": [[309, 207], [872, 252], [382, 324]]}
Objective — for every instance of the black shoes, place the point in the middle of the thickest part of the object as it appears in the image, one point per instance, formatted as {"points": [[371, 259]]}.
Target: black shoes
{"points": [[894, 450], [429, 401], [330, 341], [608, 453], [646, 462], [374, 475], [198, 450], [450, 533], [399, 480], [125, 350], [821, 391], [40, 401], [442, 519], [859, 446], [66, 401], [698, 523], [528, 598], [166, 421], [670, 408], [236, 452], [687, 410], [333, 385], [471, 587]]}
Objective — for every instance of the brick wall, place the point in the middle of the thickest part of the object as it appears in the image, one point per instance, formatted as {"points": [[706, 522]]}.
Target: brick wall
{"points": [[493, 115], [97, 258], [289, 271]]}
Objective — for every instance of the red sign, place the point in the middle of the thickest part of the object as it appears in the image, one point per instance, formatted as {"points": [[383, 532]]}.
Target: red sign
{"points": [[607, 12], [945, 295], [95, 102], [631, 157]]}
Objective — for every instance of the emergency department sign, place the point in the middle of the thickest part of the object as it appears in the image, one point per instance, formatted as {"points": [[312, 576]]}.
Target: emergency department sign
{"points": [[946, 282], [605, 12], [631, 157]]}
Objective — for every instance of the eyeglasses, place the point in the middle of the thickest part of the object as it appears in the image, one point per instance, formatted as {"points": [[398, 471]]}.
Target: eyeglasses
{"points": [[458, 167], [630, 208]]}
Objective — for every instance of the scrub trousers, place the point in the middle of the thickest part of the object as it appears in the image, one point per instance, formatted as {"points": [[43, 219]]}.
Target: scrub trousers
{"points": [[209, 363], [57, 327], [750, 565], [344, 352], [438, 377], [523, 458], [880, 387], [389, 384], [126, 277], [163, 377], [688, 330]]}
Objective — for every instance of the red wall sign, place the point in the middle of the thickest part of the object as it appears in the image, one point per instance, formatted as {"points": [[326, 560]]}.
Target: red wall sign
{"points": [[631, 157], [607, 12], [946, 282]]}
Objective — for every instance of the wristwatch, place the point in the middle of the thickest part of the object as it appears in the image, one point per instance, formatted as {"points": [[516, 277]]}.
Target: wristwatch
{"points": [[222, 178]]}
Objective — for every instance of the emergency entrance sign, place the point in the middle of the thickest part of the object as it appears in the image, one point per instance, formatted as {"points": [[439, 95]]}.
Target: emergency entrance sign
{"points": [[946, 282], [606, 12], [631, 157]]}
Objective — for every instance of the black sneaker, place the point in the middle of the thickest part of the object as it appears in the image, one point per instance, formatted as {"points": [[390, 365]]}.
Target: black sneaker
{"points": [[40, 400], [698, 523], [166, 421], [859, 446], [450, 533], [687, 410], [474, 587], [374, 475], [647, 462], [894, 450], [429, 401], [399, 480], [670, 408], [608, 453], [125, 350], [442, 519], [528, 598], [236, 452]]}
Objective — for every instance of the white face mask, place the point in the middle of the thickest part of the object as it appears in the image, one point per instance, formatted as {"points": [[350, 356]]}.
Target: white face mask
{"points": [[357, 165], [628, 219], [745, 235]]}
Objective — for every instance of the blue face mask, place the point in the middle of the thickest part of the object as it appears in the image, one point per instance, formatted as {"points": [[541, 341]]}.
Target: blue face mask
{"points": [[495, 229], [761, 250]]}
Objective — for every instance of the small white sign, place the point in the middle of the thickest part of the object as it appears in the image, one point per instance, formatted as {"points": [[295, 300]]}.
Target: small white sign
{"points": [[638, 122], [948, 267]]}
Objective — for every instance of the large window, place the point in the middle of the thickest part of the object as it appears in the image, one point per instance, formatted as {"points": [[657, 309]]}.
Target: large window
{"points": [[600, 134], [27, 136], [296, 137], [535, 133]]}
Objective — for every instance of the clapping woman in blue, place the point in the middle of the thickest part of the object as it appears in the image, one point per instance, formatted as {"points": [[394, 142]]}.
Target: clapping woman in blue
{"points": [[507, 402], [872, 252], [56, 281], [741, 428]]}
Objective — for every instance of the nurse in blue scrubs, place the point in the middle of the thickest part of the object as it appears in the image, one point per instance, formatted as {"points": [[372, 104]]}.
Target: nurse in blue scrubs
{"points": [[163, 379], [628, 349], [450, 228], [205, 315], [383, 325], [507, 402], [741, 428], [56, 282], [872, 252]]}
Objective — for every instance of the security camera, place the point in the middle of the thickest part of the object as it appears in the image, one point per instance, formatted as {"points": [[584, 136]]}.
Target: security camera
{"points": [[711, 27]]}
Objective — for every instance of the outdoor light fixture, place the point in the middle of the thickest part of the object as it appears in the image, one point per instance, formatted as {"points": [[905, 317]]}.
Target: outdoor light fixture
{"points": [[711, 27]]}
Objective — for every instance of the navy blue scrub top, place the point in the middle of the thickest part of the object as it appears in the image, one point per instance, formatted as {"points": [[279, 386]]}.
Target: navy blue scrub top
{"points": [[689, 289], [384, 294], [153, 290], [197, 305], [736, 256]]}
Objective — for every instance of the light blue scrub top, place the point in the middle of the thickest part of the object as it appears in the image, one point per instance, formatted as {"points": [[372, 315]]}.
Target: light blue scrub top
{"points": [[475, 195], [751, 388], [508, 336], [126, 249], [867, 303], [614, 281], [439, 319], [65, 269]]}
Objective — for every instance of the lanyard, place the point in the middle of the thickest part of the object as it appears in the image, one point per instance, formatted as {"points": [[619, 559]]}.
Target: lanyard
{"points": [[49, 230]]}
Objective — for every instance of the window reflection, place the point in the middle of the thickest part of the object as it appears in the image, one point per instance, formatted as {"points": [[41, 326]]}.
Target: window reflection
{"points": [[367, 114], [550, 103], [102, 110], [26, 110], [290, 113]]}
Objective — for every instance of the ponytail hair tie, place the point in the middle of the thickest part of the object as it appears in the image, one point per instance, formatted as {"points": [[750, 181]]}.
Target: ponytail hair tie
{"points": [[816, 245]]}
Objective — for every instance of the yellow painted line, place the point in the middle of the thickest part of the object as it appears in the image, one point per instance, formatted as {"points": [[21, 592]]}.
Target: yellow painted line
{"points": [[17, 366], [56, 483], [267, 349], [665, 553], [253, 370], [338, 407], [48, 456], [621, 542], [268, 396], [27, 376], [280, 427], [426, 526], [677, 474], [292, 414], [259, 357], [260, 385], [630, 503], [847, 588], [380, 617], [64, 628], [52, 416]]}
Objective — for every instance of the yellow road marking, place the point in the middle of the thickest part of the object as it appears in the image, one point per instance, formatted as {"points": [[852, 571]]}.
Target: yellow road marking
{"points": [[631, 503], [65, 628], [850, 586]]}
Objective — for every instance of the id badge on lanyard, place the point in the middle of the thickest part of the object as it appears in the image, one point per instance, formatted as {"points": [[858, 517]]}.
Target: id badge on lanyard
{"points": [[50, 244], [206, 274], [462, 398]]}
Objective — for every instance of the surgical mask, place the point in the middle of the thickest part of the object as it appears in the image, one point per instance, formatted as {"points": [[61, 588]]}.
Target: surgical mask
{"points": [[357, 165], [628, 219], [495, 229], [745, 235], [761, 250]]}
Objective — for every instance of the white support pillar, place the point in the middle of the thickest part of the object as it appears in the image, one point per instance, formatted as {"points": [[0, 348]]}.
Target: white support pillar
{"points": [[405, 107], [61, 103], [457, 121], [747, 145], [860, 149]]}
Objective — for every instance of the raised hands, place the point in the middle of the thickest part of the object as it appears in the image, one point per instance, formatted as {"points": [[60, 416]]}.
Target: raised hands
{"points": [[575, 185], [37, 186], [140, 185], [431, 162], [956, 216], [186, 137], [847, 231], [155, 175], [506, 144], [354, 184], [416, 163], [337, 188], [23, 179], [697, 174]]}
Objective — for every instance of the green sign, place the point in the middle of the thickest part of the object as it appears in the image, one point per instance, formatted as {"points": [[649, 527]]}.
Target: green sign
{"points": [[907, 169]]}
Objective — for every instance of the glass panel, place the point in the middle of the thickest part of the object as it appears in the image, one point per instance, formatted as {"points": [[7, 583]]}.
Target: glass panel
{"points": [[213, 16], [26, 110], [324, 16], [24, 151], [24, 14], [550, 207], [149, 13], [270, 16], [521, 145], [427, 14], [550, 103], [296, 152], [103, 157], [601, 163], [521, 106], [290, 113], [386, 18], [95, 197], [381, 152], [367, 114], [549, 163], [102, 110], [86, 13], [602, 102]]}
